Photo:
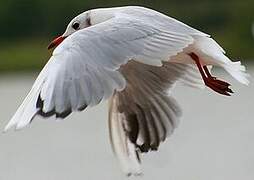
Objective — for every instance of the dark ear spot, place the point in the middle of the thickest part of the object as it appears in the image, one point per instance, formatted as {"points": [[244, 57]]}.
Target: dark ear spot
{"points": [[88, 21]]}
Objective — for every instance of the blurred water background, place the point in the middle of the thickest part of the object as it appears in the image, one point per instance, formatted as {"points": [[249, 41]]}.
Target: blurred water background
{"points": [[214, 140]]}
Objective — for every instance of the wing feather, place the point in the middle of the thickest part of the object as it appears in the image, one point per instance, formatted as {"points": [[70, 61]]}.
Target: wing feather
{"points": [[83, 69], [145, 110]]}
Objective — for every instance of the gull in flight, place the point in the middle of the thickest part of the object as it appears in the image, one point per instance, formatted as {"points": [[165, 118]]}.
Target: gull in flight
{"points": [[132, 56]]}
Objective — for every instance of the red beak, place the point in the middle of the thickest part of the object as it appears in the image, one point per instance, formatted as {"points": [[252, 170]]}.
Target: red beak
{"points": [[56, 42]]}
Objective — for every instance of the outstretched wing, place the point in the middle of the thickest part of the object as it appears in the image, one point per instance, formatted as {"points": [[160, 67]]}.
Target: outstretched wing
{"points": [[144, 114], [83, 69]]}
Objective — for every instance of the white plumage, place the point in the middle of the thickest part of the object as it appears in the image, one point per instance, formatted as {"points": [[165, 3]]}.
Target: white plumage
{"points": [[124, 53]]}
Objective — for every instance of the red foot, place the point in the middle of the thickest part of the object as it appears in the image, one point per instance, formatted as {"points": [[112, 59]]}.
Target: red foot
{"points": [[219, 86]]}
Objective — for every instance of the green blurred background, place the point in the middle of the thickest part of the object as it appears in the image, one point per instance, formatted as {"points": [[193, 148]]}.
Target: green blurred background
{"points": [[27, 26]]}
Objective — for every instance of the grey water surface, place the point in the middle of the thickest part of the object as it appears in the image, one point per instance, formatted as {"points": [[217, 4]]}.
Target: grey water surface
{"points": [[214, 141]]}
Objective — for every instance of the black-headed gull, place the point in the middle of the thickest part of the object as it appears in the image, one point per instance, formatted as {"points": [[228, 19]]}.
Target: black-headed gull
{"points": [[134, 56]]}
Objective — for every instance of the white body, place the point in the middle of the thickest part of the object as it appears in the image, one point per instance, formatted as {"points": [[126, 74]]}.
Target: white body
{"points": [[85, 68]]}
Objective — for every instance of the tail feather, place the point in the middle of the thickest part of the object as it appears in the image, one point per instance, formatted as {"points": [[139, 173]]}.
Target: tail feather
{"points": [[212, 53], [237, 71]]}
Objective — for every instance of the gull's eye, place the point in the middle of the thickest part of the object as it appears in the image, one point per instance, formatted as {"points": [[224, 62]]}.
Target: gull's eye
{"points": [[76, 25]]}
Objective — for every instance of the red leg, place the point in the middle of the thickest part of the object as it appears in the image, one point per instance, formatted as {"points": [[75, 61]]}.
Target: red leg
{"points": [[208, 73], [196, 59], [210, 76], [219, 86]]}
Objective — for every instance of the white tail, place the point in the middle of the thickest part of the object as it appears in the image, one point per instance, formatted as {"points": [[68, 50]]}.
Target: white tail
{"points": [[212, 53], [237, 70]]}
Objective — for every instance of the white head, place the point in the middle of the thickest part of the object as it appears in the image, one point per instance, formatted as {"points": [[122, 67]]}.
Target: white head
{"points": [[79, 22], [84, 20]]}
